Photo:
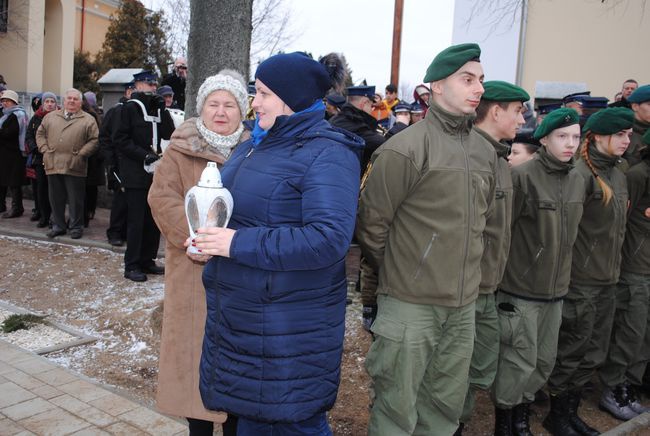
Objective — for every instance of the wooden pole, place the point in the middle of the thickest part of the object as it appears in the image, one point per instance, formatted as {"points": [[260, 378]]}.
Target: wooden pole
{"points": [[397, 43]]}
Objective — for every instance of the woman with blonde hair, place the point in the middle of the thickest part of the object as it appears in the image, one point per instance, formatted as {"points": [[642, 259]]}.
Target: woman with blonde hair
{"points": [[221, 104]]}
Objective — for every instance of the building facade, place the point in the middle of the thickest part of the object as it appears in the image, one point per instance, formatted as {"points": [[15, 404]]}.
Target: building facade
{"points": [[599, 43], [40, 37]]}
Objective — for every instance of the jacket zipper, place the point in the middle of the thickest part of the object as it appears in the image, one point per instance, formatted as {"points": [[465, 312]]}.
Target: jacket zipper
{"points": [[562, 238], [424, 256], [620, 215], [469, 220], [534, 262], [591, 252]]}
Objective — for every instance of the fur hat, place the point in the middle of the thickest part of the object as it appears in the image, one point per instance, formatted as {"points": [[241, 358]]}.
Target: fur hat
{"points": [[227, 80]]}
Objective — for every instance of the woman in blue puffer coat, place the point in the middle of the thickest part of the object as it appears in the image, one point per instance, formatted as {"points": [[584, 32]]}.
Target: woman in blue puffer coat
{"points": [[276, 286]]}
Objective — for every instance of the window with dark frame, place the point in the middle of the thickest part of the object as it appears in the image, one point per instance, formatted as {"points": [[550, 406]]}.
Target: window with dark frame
{"points": [[4, 15]]}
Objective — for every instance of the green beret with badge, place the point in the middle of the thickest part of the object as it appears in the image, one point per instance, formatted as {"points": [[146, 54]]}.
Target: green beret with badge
{"points": [[609, 121], [450, 60], [497, 90], [557, 119]]}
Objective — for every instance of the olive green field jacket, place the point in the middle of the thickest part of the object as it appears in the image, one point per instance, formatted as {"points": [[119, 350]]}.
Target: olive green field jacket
{"points": [[496, 237], [597, 250], [636, 248], [423, 209], [547, 208]]}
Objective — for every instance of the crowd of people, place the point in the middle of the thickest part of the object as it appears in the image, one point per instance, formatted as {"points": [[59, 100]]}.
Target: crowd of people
{"points": [[500, 251]]}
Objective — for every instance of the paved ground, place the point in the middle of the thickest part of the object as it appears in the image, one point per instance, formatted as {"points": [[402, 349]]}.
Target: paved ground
{"points": [[41, 398]]}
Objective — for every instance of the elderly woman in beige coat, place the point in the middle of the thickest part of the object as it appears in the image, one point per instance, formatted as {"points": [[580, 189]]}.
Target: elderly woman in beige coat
{"points": [[221, 104]]}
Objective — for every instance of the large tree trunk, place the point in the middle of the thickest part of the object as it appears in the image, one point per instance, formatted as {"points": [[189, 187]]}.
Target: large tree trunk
{"points": [[220, 37]]}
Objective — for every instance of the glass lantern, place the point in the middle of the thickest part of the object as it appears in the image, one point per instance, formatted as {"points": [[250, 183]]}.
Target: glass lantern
{"points": [[208, 204]]}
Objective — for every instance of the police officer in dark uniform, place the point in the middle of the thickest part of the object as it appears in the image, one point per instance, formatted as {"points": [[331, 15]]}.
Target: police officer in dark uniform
{"points": [[355, 117], [143, 122]]}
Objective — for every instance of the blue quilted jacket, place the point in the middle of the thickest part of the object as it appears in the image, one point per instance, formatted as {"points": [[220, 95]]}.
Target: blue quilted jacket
{"points": [[276, 308]]}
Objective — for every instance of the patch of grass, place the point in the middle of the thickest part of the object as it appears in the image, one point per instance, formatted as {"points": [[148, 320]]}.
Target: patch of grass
{"points": [[23, 321]]}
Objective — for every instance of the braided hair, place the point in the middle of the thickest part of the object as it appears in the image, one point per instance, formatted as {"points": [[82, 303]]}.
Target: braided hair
{"points": [[584, 153]]}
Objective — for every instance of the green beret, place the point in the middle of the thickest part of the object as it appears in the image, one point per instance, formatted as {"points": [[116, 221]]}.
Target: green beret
{"points": [[640, 95], [609, 121], [557, 119], [450, 60], [496, 90]]}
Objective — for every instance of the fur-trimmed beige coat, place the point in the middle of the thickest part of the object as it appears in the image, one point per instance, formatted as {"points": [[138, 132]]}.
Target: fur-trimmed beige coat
{"points": [[184, 306]]}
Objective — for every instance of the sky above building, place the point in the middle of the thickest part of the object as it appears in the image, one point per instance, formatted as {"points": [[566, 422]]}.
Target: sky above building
{"points": [[363, 30]]}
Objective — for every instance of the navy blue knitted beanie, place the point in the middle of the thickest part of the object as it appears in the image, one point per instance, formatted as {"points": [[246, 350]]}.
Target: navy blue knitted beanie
{"points": [[296, 78]]}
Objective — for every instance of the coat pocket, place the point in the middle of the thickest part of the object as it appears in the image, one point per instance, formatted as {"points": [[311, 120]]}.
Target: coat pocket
{"points": [[512, 330], [383, 358], [77, 163]]}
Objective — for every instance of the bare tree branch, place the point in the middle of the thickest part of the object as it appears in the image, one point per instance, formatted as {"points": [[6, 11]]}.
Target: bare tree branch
{"points": [[503, 14], [271, 27]]}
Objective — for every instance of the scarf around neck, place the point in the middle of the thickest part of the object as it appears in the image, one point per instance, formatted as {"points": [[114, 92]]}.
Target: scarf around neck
{"points": [[222, 144], [23, 120]]}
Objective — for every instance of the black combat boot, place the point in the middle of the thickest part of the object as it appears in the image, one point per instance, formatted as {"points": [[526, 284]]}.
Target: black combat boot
{"points": [[573, 403], [502, 422], [557, 420], [520, 416]]}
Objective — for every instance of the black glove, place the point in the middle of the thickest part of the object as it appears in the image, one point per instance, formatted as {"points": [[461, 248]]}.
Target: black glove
{"points": [[369, 314], [151, 158], [157, 102]]}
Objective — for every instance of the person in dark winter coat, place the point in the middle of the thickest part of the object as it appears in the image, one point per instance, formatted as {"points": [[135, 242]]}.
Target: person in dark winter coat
{"points": [[143, 123], [116, 231], [177, 80], [30, 172], [13, 127], [276, 288], [96, 176], [402, 119], [41, 192], [355, 117]]}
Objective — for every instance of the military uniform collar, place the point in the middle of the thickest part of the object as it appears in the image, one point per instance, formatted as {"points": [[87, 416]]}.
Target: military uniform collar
{"points": [[552, 164], [501, 148], [451, 123], [600, 160]]}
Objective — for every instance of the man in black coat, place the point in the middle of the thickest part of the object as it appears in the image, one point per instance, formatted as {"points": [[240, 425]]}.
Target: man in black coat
{"points": [[143, 122], [116, 232], [355, 117], [177, 79]]}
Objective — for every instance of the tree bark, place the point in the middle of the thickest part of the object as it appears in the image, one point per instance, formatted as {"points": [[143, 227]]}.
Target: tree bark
{"points": [[220, 37]]}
